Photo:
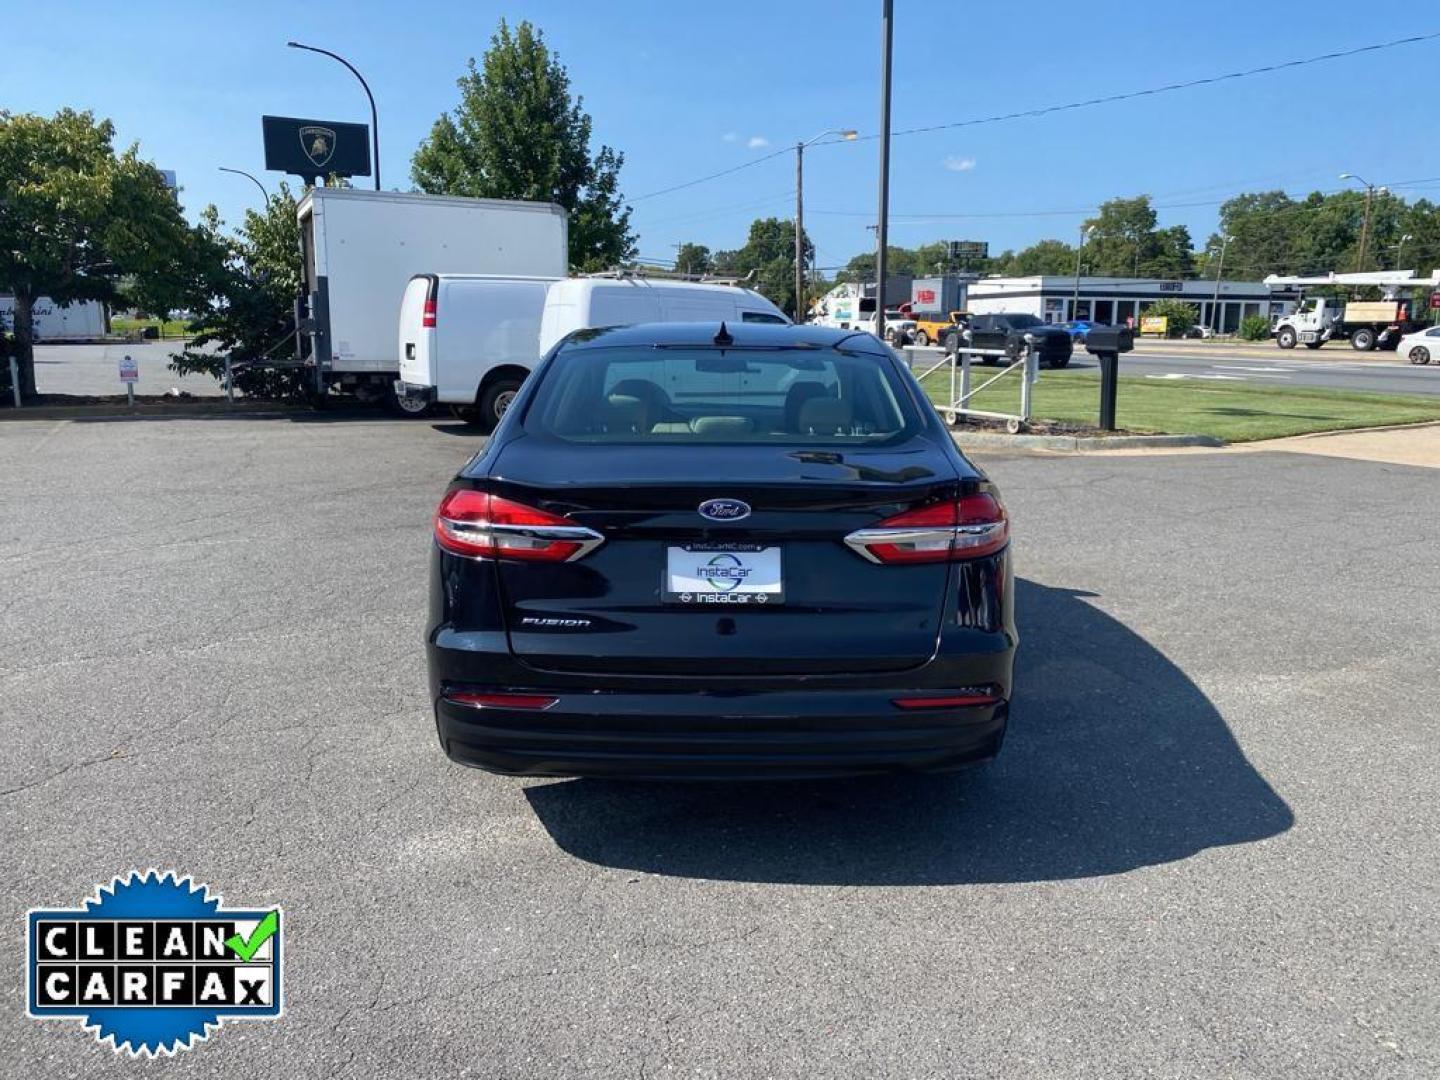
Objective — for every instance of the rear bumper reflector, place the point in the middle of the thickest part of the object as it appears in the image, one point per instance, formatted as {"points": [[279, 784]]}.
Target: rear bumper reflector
{"points": [[965, 699], [536, 702]]}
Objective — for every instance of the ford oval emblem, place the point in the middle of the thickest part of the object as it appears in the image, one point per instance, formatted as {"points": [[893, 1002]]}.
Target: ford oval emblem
{"points": [[724, 510]]}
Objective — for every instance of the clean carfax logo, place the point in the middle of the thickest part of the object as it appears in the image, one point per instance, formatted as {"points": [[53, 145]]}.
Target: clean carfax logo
{"points": [[152, 963]]}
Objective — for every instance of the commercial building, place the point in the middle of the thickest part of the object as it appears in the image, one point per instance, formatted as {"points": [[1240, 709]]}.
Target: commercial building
{"points": [[1120, 300], [56, 322]]}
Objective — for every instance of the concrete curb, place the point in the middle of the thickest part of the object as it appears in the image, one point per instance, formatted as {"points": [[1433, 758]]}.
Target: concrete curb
{"points": [[187, 411], [1077, 444]]}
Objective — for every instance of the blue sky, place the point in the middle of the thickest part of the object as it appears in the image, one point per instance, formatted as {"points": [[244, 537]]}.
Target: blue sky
{"points": [[685, 89]]}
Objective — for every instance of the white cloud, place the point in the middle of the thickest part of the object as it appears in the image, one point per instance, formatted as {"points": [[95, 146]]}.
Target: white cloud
{"points": [[730, 136], [757, 142], [956, 163]]}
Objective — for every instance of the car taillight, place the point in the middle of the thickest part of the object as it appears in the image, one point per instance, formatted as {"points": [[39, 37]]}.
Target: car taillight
{"points": [[967, 528], [479, 525], [537, 702], [427, 315]]}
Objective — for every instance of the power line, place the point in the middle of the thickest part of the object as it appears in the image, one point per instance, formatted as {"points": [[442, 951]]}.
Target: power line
{"points": [[1046, 110], [714, 175], [1169, 88]]}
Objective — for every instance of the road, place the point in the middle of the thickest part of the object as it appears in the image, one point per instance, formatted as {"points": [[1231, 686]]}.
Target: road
{"points": [[1337, 368], [1208, 849], [94, 369]]}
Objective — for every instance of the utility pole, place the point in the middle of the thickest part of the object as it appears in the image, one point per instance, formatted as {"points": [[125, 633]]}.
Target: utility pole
{"points": [[882, 229]]}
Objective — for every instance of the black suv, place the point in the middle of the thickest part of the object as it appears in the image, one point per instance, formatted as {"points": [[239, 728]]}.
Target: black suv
{"points": [[1013, 332]]}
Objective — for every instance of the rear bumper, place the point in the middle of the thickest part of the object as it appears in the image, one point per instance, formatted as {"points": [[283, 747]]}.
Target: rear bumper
{"points": [[414, 390], [719, 735]]}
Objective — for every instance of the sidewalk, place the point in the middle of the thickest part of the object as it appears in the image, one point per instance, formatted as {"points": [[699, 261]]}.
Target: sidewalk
{"points": [[1417, 444]]}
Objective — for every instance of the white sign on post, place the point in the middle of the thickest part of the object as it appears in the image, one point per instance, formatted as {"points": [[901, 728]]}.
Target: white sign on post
{"points": [[129, 374]]}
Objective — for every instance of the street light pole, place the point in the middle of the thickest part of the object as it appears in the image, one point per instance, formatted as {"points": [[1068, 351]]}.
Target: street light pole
{"points": [[241, 172], [1370, 190], [1075, 296], [1215, 300], [1400, 250], [848, 135], [374, 114], [882, 227]]}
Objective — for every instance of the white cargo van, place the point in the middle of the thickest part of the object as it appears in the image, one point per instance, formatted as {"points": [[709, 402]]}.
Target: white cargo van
{"points": [[580, 303], [469, 340]]}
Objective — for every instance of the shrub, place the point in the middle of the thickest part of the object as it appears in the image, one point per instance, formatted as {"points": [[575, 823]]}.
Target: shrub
{"points": [[1255, 328]]}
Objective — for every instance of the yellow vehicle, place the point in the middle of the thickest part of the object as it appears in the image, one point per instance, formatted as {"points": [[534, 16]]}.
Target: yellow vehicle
{"points": [[930, 326]]}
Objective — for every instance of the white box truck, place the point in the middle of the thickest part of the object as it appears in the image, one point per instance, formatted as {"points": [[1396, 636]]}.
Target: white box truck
{"points": [[360, 248], [469, 340]]}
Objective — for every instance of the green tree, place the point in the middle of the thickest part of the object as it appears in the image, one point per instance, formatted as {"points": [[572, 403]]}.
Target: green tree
{"points": [[1046, 257], [693, 259], [80, 222], [519, 134], [1124, 241], [769, 252], [1262, 227], [244, 301]]}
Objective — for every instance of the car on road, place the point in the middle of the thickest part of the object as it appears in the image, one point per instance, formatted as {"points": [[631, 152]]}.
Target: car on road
{"points": [[716, 552], [1421, 347], [1014, 332]]}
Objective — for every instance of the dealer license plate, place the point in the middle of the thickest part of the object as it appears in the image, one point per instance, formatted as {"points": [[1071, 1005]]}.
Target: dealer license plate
{"points": [[723, 573]]}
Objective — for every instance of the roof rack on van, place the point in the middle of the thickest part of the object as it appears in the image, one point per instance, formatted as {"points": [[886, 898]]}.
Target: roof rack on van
{"points": [[671, 275]]}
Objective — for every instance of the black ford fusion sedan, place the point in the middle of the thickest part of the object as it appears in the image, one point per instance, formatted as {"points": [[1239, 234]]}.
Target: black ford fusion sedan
{"points": [[692, 550]]}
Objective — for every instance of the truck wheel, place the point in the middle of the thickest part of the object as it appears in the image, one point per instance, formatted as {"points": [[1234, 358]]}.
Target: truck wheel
{"points": [[952, 343], [1286, 337], [1313, 344], [922, 338], [407, 407], [495, 400], [1362, 340], [1420, 355], [1060, 362]]}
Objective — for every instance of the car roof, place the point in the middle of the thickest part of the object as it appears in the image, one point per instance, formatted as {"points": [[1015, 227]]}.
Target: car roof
{"points": [[744, 334]]}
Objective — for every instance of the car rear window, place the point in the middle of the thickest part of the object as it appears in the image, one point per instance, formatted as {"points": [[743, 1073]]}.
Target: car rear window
{"points": [[805, 396]]}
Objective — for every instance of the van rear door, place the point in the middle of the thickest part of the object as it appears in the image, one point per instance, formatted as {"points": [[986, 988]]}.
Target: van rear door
{"points": [[481, 324], [417, 330]]}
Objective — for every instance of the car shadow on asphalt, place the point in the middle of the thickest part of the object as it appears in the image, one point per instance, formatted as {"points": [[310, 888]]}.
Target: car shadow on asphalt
{"points": [[1114, 760]]}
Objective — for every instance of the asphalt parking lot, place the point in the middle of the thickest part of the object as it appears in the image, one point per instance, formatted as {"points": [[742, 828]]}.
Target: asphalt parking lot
{"points": [[1208, 848]]}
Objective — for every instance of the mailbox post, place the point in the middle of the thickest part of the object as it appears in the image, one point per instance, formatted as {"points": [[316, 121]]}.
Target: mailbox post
{"points": [[1106, 343]]}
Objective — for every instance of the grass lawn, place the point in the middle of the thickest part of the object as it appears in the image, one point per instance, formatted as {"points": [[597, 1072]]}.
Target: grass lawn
{"points": [[1192, 407], [171, 328]]}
